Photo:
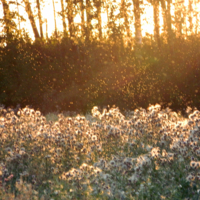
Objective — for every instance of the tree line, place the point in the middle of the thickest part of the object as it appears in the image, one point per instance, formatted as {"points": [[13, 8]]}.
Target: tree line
{"points": [[179, 19]]}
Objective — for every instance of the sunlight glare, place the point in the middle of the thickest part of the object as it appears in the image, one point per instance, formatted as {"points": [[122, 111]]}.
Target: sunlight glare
{"points": [[146, 18]]}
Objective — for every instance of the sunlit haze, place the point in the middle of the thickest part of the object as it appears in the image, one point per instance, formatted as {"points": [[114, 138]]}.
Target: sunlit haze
{"points": [[48, 16]]}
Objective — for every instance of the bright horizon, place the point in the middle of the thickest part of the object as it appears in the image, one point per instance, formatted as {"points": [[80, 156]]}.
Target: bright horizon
{"points": [[47, 14]]}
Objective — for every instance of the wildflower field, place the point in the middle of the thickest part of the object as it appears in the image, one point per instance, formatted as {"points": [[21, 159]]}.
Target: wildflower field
{"points": [[148, 153]]}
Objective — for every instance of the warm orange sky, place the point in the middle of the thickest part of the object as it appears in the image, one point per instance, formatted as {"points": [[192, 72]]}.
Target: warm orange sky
{"points": [[47, 13]]}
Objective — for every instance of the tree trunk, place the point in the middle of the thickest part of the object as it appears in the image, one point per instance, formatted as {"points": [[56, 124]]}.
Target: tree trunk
{"points": [[196, 17], [178, 18], [63, 18], [6, 18], [190, 9], [19, 21], [46, 28], [82, 18], [70, 17], [164, 15], [167, 19], [138, 29], [40, 18], [54, 13], [125, 16], [88, 24], [156, 22], [31, 18], [98, 6], [169, 27]]}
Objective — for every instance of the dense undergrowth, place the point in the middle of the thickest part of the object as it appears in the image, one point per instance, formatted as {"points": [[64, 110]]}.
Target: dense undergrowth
{"points": [[68, 74], [145, 154]]}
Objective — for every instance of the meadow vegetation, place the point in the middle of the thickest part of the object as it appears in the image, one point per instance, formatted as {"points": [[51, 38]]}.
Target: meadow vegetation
{"points": [[148, 153]]}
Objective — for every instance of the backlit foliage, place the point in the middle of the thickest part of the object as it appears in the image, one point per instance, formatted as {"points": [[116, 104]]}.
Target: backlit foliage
{"points": [[74, 75]]}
